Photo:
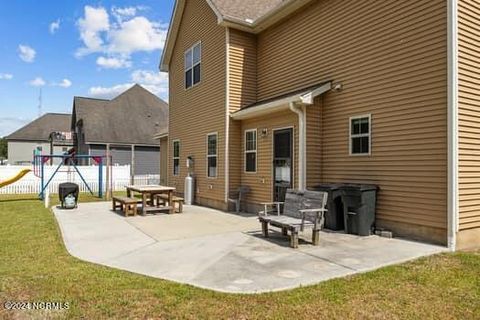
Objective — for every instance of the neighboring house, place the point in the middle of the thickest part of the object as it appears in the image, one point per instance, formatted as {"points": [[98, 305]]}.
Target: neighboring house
{"points": [[277, 93], [125, 126], [48, 134]]}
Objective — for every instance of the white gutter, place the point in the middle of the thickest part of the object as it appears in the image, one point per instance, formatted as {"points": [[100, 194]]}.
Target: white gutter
{"points": [[302, 163], [452, 107]]}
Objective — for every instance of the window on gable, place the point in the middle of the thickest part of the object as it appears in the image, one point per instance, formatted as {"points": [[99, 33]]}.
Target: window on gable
{"points": [[193, 59], [212, 155], [360, 135]]}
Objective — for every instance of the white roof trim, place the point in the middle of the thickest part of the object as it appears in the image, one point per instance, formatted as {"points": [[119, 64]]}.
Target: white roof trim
{"points": [[172, 35], [281, 104], [160, 135]]}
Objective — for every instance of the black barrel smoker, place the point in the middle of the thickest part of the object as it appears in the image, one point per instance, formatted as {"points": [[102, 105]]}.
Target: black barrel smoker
{"points": [[68, 194]]}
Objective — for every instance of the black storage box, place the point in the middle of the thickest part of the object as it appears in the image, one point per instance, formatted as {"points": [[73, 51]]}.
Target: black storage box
{"points": [[65, 189], [359, 202]]}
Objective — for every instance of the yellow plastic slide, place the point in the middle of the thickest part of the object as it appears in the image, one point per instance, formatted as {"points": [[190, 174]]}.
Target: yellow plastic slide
{"points": [[19, 176]]}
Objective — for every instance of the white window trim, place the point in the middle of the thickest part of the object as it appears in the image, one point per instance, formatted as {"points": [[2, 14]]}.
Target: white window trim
{"points": [[175, 158], [193, 65], [369, 135], [212, 155], [250, 151]]}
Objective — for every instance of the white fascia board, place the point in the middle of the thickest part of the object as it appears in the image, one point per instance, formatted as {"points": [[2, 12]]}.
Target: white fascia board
{"points": [[306, 98]]}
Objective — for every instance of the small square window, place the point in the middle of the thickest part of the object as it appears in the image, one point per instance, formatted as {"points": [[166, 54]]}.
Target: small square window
{"points": [[360, 135]]}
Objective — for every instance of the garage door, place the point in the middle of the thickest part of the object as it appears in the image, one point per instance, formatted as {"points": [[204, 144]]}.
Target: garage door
{"points": [[147, 160], [121, 155]]}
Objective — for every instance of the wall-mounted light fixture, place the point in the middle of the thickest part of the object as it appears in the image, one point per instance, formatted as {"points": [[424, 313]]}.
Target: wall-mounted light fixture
{"points": [[264, 132], [337, 87]]}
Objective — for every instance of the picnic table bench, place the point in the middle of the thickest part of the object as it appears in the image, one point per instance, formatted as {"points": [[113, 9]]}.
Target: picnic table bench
{"points": [[127, 204], [175, 200], [300, 210]]}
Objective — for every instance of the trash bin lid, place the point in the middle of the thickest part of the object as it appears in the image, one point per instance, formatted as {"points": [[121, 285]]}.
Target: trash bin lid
{"points": [[328, 186]]}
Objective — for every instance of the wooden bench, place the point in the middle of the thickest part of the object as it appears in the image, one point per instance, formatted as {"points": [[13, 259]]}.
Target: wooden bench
{"points": [[300, 210], [126, 204], [163, 199]]}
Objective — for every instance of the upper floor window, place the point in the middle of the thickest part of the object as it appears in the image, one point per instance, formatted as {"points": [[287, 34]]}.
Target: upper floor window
{"points": [[176, 157], [360, 135], [193, 60], [251, 150], [212, 155]]}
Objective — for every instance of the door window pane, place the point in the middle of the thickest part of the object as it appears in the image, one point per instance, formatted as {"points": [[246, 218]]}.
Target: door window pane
{"points": [[251, 162]]}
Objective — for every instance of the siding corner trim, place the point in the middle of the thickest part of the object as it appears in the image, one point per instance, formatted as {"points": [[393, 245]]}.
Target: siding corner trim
{"points": [[452, 106]]}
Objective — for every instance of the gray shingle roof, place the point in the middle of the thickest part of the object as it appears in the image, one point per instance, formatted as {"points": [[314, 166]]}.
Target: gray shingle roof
{"points": [[41, 128], [134, 117], [246, 9]]}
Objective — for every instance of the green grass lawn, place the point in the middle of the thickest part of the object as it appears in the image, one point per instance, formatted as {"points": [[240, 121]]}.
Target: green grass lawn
{"points": [[34, 266]]}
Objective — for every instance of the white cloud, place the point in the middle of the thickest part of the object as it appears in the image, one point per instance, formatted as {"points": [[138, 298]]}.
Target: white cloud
{"points": [[6, 76], [109, 92], [26, 53], [122, 13], [95, 21], [65, 83], [9, 124], [37, 82], [126, 34], [54, 26], [150, 77], [155, 82], [137, 34], [114, 63]]}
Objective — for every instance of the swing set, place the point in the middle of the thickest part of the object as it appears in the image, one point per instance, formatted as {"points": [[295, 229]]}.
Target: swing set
{"points": [[70, 162]]}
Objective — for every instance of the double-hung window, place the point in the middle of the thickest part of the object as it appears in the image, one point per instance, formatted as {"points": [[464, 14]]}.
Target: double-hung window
{"points": [[360, 135], [212, 155], [251, 150], [176, 157], [193, 60]]}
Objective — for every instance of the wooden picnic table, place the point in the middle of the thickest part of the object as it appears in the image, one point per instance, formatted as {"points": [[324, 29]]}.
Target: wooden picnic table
{"points": [[149, 191]]}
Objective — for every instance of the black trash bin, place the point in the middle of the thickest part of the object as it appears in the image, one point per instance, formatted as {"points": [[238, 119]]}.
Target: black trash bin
{"points": [[67, 191], [359, 201], [334, 216]]}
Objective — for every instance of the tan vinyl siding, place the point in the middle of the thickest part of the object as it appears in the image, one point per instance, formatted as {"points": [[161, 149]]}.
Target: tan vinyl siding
{"points": [[391, 57], [261, 182], [242, 85], [243, 69], [200, 110], [469, 113]]}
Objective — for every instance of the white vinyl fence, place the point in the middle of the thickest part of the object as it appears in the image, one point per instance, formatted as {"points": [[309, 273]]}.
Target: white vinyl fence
{"points": [[31, 184]]}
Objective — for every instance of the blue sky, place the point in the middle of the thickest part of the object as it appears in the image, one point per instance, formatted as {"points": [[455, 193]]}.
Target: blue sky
{"points": [[76, 48]]}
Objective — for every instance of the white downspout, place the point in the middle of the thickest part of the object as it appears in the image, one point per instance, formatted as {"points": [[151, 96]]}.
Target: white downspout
{"points": [[452, 110], [302, 159]]}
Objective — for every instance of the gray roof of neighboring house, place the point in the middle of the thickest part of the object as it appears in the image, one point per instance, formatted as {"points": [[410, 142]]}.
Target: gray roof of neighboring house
{"points": [[41, 128], [133, 117], [246, 9]]}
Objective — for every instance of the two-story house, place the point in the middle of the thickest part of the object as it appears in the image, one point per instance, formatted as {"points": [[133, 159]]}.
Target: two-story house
{"points": [[281, 93]]}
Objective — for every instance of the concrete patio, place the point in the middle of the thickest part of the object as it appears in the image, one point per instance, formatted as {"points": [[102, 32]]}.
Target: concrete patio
{"points": [[220, 251]]}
